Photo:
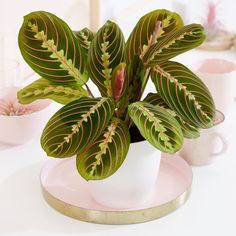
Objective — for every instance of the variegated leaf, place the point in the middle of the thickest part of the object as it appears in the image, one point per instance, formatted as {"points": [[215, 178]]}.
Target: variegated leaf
{"points": [[147, 33], [105, 53], [155, 99], [189, 131], [84, 37], [75, 126], [104, 157], [157, 126], [134, 74], [42, 88], [175, 43], [184, 93], [49, 46]]}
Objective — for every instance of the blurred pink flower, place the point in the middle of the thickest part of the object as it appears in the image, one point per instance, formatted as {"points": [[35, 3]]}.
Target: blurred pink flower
{"points": [[10, 106], [211, 15]]}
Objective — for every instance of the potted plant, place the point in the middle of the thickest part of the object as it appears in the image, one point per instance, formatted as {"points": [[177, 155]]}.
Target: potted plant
{"points": [[217, 35], [17, 119], [100, 131]]}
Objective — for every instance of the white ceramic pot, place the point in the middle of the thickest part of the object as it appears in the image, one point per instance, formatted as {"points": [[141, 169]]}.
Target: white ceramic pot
{"points": [[15, 130], [133, 184]]}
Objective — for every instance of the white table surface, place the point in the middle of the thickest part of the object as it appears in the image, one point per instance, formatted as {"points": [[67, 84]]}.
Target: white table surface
{"points": [[211, 209]]}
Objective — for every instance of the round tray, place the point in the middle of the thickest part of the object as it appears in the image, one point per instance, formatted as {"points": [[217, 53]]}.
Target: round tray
{"points": [[67, 192]]}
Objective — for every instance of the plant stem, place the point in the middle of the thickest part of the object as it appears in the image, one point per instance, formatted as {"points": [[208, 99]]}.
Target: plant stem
{"points": [[88, 89], [145, 80], [127, 120]]}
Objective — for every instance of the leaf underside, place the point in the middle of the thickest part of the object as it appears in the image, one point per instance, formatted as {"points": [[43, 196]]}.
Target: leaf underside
{"points": [[42, 88]]}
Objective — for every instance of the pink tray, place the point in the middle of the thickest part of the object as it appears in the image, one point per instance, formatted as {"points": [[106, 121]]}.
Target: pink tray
{"points": [[67, 192]]}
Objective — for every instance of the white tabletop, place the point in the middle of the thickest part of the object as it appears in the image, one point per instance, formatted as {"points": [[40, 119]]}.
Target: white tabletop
{"points": [[210, 210]]}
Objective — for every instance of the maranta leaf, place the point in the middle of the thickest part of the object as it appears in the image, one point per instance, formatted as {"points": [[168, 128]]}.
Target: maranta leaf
{"points": [[42, 88], [106, 154], [50, 48], [105, 53], [184, 93], [76, 125], [157, 126]]}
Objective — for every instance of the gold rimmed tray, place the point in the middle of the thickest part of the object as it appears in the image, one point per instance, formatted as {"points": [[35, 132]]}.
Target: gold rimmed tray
{"points": [[67, 192]]}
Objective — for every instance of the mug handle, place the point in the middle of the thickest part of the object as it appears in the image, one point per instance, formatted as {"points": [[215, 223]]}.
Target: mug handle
{"points": [[223, 141]]}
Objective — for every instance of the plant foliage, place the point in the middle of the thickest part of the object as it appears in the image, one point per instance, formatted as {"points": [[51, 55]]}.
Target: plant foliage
{"points": [[97, 129]]}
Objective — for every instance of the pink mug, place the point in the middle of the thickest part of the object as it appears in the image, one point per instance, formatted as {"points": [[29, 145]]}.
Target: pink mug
{"points": [[219, 75], [205, 149]]}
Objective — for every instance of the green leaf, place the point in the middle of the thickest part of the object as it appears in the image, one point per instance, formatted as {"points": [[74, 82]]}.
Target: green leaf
{"points": [[84, 37], [105, 53], [42, 88], [49, 47], [189, 131], [175, 43], [157, 126], [75, 126], [184, 93], [134, 75], [104, 157], [155, 99], [143, 35]]}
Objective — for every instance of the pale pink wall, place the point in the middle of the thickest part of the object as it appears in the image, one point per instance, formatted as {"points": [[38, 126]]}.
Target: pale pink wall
{"points": [[127, 12]]}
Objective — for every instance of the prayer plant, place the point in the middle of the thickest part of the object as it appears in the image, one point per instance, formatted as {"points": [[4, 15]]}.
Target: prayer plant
{"points": [[98, 130]]}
